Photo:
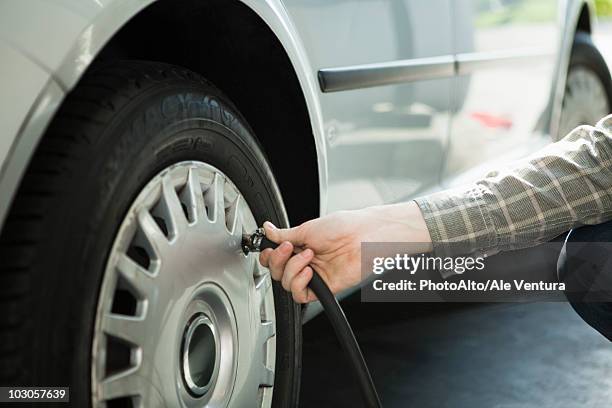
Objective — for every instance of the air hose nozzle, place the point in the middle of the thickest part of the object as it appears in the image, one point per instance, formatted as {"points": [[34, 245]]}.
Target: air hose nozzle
{"points": [[252, 242], [257, 242]]}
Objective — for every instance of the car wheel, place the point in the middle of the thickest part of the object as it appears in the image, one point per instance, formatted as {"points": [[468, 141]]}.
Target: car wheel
{"points": [[122, 274], [588, 88]]}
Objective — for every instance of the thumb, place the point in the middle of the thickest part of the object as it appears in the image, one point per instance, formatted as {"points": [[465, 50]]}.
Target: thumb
{"points": [[294, 235]]}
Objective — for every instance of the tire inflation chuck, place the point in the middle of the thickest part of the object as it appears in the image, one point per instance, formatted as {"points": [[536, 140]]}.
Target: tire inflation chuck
{"points": [[257, 242]]}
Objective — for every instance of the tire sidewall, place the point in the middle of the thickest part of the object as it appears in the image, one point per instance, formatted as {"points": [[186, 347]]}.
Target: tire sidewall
{"points": [[585, 54]]}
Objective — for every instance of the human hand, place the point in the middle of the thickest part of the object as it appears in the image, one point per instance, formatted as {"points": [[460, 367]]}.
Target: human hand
{"points": [[331, 245]]}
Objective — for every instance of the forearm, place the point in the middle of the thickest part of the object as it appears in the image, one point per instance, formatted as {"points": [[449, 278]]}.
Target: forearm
{"points": [[566, 184], [400, 223]]}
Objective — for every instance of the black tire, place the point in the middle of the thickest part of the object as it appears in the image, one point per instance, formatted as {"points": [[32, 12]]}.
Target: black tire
{"points": [[585, 55], [109, 139]]}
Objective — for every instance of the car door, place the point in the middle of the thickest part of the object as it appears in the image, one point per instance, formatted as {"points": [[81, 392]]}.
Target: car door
{"points": [[386, 69], [505, 52]]}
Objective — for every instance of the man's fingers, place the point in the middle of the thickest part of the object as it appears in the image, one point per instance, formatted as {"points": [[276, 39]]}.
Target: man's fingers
{"points": [[277, 259], [294, 266], [264, 257], [299, 286], [294, 235]]}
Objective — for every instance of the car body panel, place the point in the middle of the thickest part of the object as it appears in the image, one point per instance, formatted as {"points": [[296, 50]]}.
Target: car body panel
{"points": [[18, 94], [36, 121], [506, 75], [376, 137], [79, 31]]}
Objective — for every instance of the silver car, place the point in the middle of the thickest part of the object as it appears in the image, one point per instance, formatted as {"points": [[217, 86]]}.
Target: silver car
{"points": [[140, 138]]}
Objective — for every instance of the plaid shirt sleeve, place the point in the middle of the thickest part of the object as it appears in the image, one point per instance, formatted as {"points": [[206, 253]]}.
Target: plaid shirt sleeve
{"points": [[563, 186]]}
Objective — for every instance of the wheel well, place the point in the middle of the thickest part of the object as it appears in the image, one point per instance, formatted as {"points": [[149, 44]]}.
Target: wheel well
{"points": [[584, 20], [226, 42]]}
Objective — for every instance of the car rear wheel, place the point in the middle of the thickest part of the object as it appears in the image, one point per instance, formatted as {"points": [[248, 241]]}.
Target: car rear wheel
{"points": [[588, 88], [122, 264]]}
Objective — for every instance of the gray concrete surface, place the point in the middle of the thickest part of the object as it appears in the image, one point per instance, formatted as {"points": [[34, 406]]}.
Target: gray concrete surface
{"points": [[463, 356]]}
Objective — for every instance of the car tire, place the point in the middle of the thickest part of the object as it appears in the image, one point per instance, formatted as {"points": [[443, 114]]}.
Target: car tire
{"points": [[588, 88], [124, 123]]}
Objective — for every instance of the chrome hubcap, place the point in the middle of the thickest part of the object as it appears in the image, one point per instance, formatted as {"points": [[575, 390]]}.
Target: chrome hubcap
{"points": [[184, 318]]}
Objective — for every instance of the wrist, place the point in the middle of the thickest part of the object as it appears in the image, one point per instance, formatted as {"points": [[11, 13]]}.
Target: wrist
{"points": [[401, 223]]}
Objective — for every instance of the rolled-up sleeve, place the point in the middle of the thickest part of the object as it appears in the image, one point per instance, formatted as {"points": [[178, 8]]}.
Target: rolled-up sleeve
{"points": [[565, 185]]}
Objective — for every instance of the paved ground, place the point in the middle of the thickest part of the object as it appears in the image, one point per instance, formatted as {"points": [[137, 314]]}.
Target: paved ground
{"points": [[504, 355], [464, 356]]}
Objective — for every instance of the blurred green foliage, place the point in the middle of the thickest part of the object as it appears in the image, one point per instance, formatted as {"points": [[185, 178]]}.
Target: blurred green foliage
{"points": [[496, 12], [603, 7]]}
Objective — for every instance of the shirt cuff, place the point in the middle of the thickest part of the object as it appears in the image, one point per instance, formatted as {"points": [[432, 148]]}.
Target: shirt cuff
{"points": [[459, 222]]}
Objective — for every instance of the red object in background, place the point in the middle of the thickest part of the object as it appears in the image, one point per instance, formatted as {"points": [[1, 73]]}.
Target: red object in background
{"points": [[491, 121]]}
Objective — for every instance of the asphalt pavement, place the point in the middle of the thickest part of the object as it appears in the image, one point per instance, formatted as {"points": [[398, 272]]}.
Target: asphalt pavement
{"points": [[462, 356]]}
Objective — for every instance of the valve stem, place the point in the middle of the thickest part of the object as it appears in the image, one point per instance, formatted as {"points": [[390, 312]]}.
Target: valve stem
{"points": [[252, 242]]}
